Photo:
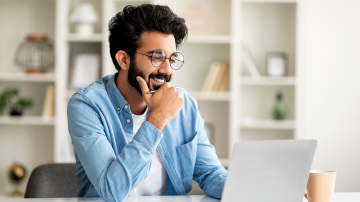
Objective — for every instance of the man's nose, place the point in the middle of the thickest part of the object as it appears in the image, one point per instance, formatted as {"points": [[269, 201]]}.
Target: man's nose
{"points": [[165, 68]]}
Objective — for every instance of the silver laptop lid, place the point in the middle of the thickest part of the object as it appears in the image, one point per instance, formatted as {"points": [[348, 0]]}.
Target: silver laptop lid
{"points": [[271, 171]]}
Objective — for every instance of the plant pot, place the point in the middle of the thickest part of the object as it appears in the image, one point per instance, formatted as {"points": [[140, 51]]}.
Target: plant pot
{"points": [[16, 111]]}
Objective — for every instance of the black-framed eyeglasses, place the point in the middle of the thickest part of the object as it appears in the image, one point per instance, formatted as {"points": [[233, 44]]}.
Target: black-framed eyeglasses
{"points": [[158, 58]]}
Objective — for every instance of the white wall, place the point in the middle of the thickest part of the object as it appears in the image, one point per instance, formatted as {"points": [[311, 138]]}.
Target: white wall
{"points": [[332, 88]]}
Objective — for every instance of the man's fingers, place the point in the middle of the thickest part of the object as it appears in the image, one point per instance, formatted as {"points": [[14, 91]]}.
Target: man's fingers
{"points": [[143, 85]]}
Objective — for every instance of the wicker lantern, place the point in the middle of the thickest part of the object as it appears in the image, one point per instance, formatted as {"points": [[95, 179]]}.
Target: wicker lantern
{"points": [[35, 54]]}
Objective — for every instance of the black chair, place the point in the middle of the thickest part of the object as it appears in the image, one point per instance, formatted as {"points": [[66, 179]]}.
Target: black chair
{"points": [[56, 180]]}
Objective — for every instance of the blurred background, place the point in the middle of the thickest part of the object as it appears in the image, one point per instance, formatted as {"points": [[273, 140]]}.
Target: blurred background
{"points": [[260, 70]]}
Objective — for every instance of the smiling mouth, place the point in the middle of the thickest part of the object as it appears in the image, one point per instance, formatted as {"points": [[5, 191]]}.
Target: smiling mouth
{"points": [[158, 80], [156, 83]]}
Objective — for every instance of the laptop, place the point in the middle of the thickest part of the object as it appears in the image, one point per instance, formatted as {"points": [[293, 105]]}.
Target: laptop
{"points": [[269, 171]]}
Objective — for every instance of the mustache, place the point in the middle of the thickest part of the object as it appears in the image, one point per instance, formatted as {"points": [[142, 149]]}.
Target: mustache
{"points": [[160, 76]]}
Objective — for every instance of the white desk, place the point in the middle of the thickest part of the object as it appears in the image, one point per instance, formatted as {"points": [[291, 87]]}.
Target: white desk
{"points": [[338, 197]]}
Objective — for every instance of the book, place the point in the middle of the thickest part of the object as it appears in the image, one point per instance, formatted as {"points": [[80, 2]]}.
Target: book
{"points": [[219, 76], [49, 102], [210, 77], [224, 83], [249, 62]]}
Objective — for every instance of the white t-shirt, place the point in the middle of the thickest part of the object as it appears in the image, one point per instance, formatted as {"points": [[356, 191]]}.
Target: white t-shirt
{"points": [[155, 183]]}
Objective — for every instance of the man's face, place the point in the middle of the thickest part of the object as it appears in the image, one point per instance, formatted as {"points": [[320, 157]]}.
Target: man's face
{"points": [[141, 65]]}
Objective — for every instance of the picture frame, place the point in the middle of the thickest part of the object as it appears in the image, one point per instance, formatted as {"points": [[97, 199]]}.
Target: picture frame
{"points": [[85, 69]]}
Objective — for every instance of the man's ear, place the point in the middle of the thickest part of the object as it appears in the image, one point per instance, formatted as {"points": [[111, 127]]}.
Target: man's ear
{"points": [[123, 59]]}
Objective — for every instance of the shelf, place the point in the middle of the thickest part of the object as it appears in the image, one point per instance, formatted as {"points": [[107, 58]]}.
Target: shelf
{"points": [[209, 39], [80, 38], [23, 77], [268, 81], [27, 120], [268, 124], [269, 1], [210, 96], [132, 1]]}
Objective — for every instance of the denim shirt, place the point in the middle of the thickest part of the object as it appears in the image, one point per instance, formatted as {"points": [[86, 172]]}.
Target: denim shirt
{"points": [[111, 161]]}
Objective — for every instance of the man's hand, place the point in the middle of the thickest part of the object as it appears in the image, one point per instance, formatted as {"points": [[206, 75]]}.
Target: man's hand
{"points": [[164, 104]]}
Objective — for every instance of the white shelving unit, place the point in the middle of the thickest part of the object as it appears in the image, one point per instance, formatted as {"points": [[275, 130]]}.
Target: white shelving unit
{"points": [[28, 139], [267, 26], [240, 113]]}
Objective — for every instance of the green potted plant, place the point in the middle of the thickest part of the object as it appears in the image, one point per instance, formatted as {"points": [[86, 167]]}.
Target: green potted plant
{"points": [[17, 108], [5, 97], [10, 98]]}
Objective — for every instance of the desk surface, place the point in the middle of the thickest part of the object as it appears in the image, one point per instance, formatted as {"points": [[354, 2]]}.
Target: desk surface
{"points": [[338, 197]]}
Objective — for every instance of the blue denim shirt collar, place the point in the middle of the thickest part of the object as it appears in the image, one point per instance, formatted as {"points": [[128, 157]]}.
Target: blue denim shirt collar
{"points": [[115, 95]]}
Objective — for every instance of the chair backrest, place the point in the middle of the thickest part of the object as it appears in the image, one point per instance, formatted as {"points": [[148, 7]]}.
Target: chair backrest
{"points": [[53, 181]]}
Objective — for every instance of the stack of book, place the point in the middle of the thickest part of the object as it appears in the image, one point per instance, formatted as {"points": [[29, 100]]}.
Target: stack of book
{"points": [[217, 78]]}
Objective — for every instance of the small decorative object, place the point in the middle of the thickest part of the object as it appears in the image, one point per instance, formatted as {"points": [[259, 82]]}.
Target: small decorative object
{"points": [[19, 105], [17, 173], [85, 17], [276, 64], [86, 69], [16, 104], [279, 110], [35, 54]]}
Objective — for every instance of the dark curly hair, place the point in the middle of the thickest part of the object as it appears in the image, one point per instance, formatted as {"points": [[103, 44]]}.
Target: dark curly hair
{"points": [[126, 27]]}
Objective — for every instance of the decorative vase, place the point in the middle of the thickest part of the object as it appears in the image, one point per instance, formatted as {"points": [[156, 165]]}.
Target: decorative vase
{"points": [[279, 110], [35, 54]]}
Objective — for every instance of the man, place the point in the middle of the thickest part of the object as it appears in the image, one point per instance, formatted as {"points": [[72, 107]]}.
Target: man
{"points": [[132, 132]]}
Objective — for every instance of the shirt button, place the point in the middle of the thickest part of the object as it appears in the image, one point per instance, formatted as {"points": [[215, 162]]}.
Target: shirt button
{"points": [[126, 106], [118, 108], [128, 120]]}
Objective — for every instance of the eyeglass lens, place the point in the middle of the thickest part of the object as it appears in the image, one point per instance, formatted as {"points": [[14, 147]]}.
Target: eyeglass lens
{"points": [[176, 59]]}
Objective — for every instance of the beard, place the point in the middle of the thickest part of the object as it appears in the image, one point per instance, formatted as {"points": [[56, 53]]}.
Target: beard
{"points": [[134, 71]]}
